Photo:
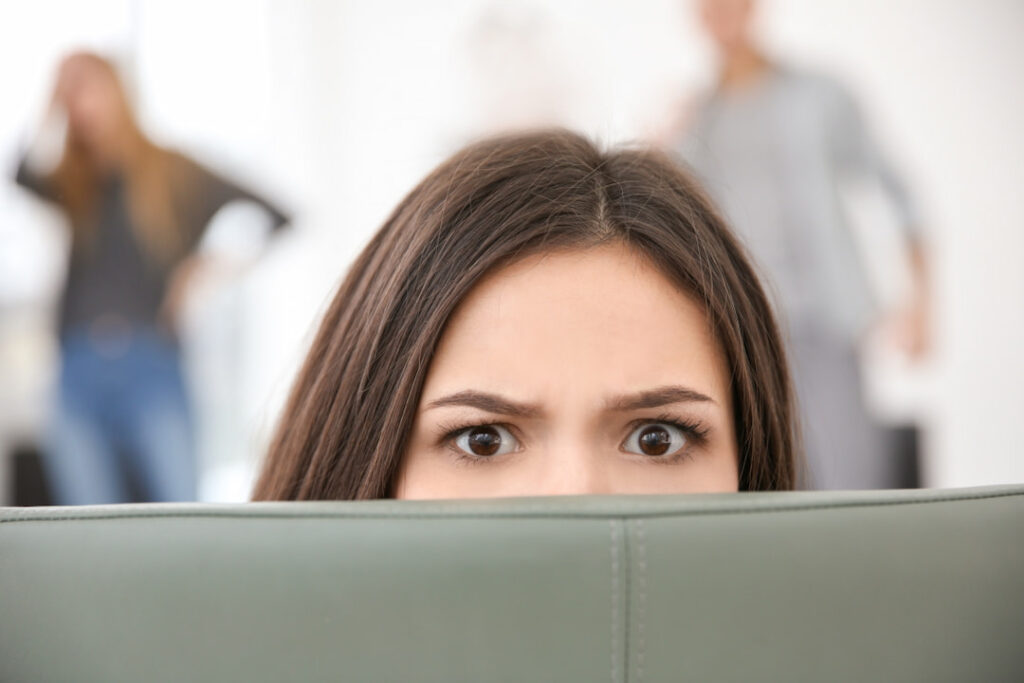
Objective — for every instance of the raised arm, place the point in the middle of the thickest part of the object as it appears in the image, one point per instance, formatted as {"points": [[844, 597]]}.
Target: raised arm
{"points": [[42, 154]]}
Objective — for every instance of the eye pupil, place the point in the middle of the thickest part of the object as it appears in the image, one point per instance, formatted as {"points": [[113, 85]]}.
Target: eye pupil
{"points": [[654, 440], [484, 440]]}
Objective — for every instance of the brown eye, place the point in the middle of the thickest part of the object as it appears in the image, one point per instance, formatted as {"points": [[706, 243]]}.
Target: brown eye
{"points": [[486, 441], [655, 439]]}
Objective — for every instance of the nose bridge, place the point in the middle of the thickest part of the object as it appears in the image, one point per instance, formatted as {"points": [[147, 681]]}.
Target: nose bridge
{"points": [[574, 467]]}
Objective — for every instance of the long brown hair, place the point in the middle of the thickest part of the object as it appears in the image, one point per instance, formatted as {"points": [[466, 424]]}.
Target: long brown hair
{"points": [[347, 423], [155, 177]]}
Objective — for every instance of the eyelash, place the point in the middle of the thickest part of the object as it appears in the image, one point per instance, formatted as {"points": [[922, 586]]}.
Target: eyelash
{"points": [[694, 430], [696, 434]]}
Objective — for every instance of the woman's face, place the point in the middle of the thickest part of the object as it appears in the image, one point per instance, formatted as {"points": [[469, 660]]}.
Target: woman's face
{"points": [[93, 103], [573, 373], [727, 22]]}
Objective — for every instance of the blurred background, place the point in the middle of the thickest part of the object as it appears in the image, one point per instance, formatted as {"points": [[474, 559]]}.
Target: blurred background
{"points": [[327, 113]]}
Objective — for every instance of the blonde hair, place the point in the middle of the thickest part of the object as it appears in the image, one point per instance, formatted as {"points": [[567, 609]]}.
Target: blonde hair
{"points": [[156, 179]]}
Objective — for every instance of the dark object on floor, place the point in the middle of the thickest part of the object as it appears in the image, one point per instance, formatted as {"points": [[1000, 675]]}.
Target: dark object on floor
{"points": [[28, 477], [906, 448]]}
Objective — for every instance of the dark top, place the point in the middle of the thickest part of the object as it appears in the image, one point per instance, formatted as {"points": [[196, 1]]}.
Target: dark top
{"points": [[111, 278]]}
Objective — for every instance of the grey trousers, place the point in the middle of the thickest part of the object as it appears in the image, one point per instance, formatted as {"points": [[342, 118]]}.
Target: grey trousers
{"points": [[845, 447]]}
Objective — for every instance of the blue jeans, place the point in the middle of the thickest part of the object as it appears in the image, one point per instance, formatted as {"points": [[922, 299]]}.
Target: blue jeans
{"points": [[121, 408]]}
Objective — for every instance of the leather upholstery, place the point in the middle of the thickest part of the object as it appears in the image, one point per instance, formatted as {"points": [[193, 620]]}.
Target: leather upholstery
{"points": [[886, 586]]}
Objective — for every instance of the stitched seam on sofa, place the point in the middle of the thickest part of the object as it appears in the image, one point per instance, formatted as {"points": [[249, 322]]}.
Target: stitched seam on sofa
{"points": [[627, 598], [539, 512], [641, 599], [614, 546]]}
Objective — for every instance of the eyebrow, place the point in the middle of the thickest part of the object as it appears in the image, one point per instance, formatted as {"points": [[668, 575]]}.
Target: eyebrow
{"points": [[493, 403], [653, 398]]}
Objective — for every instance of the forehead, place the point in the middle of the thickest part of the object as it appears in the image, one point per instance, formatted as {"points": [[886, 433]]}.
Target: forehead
{"points": [[596, 321]]}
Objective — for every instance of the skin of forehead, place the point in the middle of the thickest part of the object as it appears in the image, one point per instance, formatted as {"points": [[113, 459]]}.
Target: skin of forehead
{"points": [[526, 329]]}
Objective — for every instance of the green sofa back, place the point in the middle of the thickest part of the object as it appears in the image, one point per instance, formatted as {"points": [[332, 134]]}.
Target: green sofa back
{"points": [[882, 586]]}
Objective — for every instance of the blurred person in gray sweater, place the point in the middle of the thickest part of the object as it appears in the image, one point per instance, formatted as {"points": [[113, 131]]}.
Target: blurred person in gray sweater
{"points": [[774, 146]]}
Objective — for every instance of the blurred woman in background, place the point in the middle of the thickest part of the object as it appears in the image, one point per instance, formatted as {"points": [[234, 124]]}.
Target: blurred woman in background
{"points": [[136, 212]]}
